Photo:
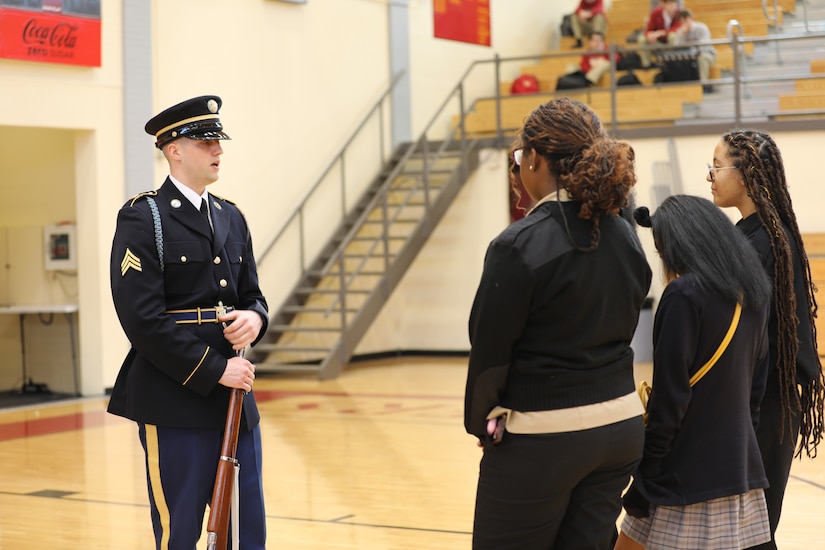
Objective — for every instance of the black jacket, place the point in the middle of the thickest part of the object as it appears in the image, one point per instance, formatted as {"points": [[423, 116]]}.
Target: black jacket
{"points": [[170, 376], [551, 326], [807, 363], [700, 441]]}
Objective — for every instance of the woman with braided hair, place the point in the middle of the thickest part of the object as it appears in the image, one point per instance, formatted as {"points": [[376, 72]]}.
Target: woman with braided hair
{"points": [[748, 174], [550, 392]]}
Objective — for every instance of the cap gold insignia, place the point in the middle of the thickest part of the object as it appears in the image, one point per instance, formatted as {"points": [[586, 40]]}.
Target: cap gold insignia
{"points": [[212, 105], [130, 261], [175, 203], [218, 206]]}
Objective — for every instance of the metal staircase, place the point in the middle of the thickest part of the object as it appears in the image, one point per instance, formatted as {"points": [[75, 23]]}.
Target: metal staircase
{"points": [[342, 290], [360, 249]]}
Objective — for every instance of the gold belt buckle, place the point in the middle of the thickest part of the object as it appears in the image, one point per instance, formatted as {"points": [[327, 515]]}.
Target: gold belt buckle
{"points": [[220, 311]]}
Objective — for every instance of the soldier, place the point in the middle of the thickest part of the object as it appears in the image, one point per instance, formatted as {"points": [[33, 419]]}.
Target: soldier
{"points": [[171, 267]]}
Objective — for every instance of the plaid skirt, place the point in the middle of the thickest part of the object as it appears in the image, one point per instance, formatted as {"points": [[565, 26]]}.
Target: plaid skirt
{"points": [[727, 523]]}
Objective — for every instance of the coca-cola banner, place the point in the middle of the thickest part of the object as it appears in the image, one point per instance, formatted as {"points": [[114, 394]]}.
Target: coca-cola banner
{"points": [[51, 31], [462, 20]]}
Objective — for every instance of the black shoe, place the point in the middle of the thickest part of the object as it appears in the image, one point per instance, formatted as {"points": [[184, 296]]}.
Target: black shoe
{"points": [[707, 88], [578, 43]]}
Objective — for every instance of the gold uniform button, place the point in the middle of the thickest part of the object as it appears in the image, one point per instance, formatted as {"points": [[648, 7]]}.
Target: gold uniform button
{"points": [[217, 260], [183, 259], [222, 282], [240, 259]]}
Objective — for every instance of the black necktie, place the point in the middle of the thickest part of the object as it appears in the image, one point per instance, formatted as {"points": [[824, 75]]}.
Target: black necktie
{"points": [[205, 212]]}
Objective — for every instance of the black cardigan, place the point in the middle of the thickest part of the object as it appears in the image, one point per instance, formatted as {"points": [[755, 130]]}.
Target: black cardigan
{"points": [[700, 442], [551, 326]]}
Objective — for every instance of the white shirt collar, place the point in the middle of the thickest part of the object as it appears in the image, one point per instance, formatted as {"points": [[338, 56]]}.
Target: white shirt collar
{"points": [[561, 195], [190, 194]]}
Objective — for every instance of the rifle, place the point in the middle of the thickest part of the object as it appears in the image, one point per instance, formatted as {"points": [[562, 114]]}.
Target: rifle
{"points": [[217, 526]]}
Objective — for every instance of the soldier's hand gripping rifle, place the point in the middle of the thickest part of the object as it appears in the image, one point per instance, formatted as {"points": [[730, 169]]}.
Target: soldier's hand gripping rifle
{"points": [[217, 526]]}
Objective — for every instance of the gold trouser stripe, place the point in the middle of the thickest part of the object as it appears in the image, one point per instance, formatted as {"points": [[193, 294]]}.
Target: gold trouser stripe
{"points": [[153, 461]]}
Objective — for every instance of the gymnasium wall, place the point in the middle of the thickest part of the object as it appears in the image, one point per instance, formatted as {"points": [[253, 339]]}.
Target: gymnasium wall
{"points": [[295, 80]]}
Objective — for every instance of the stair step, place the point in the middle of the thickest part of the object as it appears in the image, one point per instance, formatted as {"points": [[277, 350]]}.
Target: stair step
{"points": [[399, 220], [313, 290], [377, 238], [334, 273], [408, 171], [290, 328], [305, 309], [294, 349], [435, 189], [286, 367]]}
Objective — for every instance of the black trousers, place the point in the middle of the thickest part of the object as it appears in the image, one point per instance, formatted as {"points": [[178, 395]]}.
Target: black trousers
{"points": [[555, 491], [777, 455]]}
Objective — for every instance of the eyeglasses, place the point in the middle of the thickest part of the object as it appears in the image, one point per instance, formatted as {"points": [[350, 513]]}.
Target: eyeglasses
{"points": [[712, 170], [517, 156]]}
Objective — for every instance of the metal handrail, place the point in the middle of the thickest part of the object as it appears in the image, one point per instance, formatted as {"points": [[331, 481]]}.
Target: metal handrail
{"points": [[339, 157], [738, 79], [381, 195], [772, 18], [458, 133]]}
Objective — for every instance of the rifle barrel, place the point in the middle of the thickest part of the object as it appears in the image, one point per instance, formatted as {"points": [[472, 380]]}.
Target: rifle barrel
{"points": [[217, 526]]}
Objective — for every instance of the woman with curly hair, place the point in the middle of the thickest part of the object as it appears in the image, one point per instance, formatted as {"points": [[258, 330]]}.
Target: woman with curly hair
{"points": [[550, 392], [701, 483], [748, 174]]}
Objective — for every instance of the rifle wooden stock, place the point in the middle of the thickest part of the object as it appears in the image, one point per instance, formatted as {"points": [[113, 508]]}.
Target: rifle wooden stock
{"points": [[218, 525]]}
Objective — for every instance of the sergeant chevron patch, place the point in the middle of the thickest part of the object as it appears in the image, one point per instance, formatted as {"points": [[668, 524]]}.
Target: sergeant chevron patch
{"points": [[130, 261]]}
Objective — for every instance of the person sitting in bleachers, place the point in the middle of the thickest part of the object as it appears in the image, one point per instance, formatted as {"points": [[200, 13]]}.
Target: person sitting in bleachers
{"points": [[588, 18], [661, 24], [694, 33], [592, 65]]}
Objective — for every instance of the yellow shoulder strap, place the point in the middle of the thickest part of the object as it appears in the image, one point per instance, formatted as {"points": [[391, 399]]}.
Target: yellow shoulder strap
{"points": [[721, 349]]}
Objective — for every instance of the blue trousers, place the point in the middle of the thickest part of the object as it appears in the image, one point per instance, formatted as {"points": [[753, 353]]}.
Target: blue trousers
{"points": [[180, 474]]}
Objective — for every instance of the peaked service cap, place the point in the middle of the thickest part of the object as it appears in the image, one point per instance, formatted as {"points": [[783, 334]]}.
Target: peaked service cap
{"points": [[195, 118]]}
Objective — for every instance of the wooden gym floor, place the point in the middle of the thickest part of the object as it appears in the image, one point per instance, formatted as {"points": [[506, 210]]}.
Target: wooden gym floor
{"points": [[376, 459]]}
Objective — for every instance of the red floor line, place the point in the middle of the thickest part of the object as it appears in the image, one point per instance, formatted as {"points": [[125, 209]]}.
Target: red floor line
{"points": [[96, 419]]}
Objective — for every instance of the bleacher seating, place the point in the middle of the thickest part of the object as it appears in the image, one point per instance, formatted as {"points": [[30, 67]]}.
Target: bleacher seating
{"points": [[809, 94], [634, 105], [625, 16], [638, 103]]}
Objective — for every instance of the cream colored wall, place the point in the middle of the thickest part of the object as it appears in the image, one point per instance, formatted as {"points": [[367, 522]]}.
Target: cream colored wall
{"points": [[295, 79], [430, 308], [71, 170], [799, 154], [526, 27]]}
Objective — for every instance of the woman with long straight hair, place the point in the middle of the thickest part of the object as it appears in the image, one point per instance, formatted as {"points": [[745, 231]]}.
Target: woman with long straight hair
{"points": [[701, 483]]}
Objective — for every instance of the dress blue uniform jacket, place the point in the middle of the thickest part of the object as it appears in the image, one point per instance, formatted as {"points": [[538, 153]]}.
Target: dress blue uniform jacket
{"points": [[170, 376]]}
